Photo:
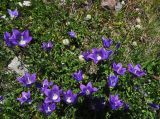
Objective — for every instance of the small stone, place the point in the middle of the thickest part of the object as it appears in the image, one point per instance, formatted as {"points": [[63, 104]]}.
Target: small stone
{"points": [[88, 17], [81, 58], [118, 7], [66, 42], [17, 66], [138, 20], [134, 43], [123, 3], [109, 3], [138, 26], [27, 3]]}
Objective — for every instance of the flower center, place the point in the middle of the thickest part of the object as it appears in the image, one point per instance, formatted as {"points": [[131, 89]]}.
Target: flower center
{"points": [[69, 100], [29, 81], [25, 96], [99, 57], [48, 109], [87, 92], [22, 42], [55, 97]]}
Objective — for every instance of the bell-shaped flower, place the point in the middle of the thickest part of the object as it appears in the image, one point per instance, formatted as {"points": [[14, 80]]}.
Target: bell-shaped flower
{"points": [[69, 97], [47, 108], [137, 71], [118, 68], [106, 42], [53, 95], [99, 54], [13, 13], [88, 89], [115, 102], [78, 75], [26, 97], [27, 80], [112, 81]]}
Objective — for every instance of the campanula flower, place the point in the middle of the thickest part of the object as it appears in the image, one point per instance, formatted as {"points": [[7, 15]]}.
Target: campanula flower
{"points": [[27, 80], [115, 102], [88, 89], [154, 106], [7, 39], [137, 71], [99, 54], [47, 108], [26, 97], [13, 14], [78, 75], [21, 39], [45, 85], [72, 34], [107, 42], [17, 38], [47, 45], [112, 80], [53, 95], [69, 97], [118, 45], [86, 54], [119, 69]]}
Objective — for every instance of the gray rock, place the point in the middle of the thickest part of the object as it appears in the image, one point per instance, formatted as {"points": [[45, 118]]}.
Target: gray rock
{"points": [[17, 66]]}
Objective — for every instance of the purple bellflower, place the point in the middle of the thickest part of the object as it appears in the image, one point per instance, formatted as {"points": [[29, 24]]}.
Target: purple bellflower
{"points": [[17, 38], [13, 14], [107, 42], [72, 34], [154, 106], [99, 54], [8, 40], [27, 80], [1, 98], [53, 95], [112, 81], [88, 89], [119, 69], [47, 108], [47, 45], [115, 102], [26, 97], [45, 85], [69, 97], [21, 39], [86, 54], [118, 45], [137, 71], [78, 75]]}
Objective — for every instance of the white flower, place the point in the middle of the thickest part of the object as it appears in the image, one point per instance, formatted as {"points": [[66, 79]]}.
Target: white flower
{"points": [[66, 42], [27, 3]]}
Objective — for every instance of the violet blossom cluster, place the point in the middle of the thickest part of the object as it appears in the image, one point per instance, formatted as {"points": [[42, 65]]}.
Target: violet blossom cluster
{"points": [[52, 92]]}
